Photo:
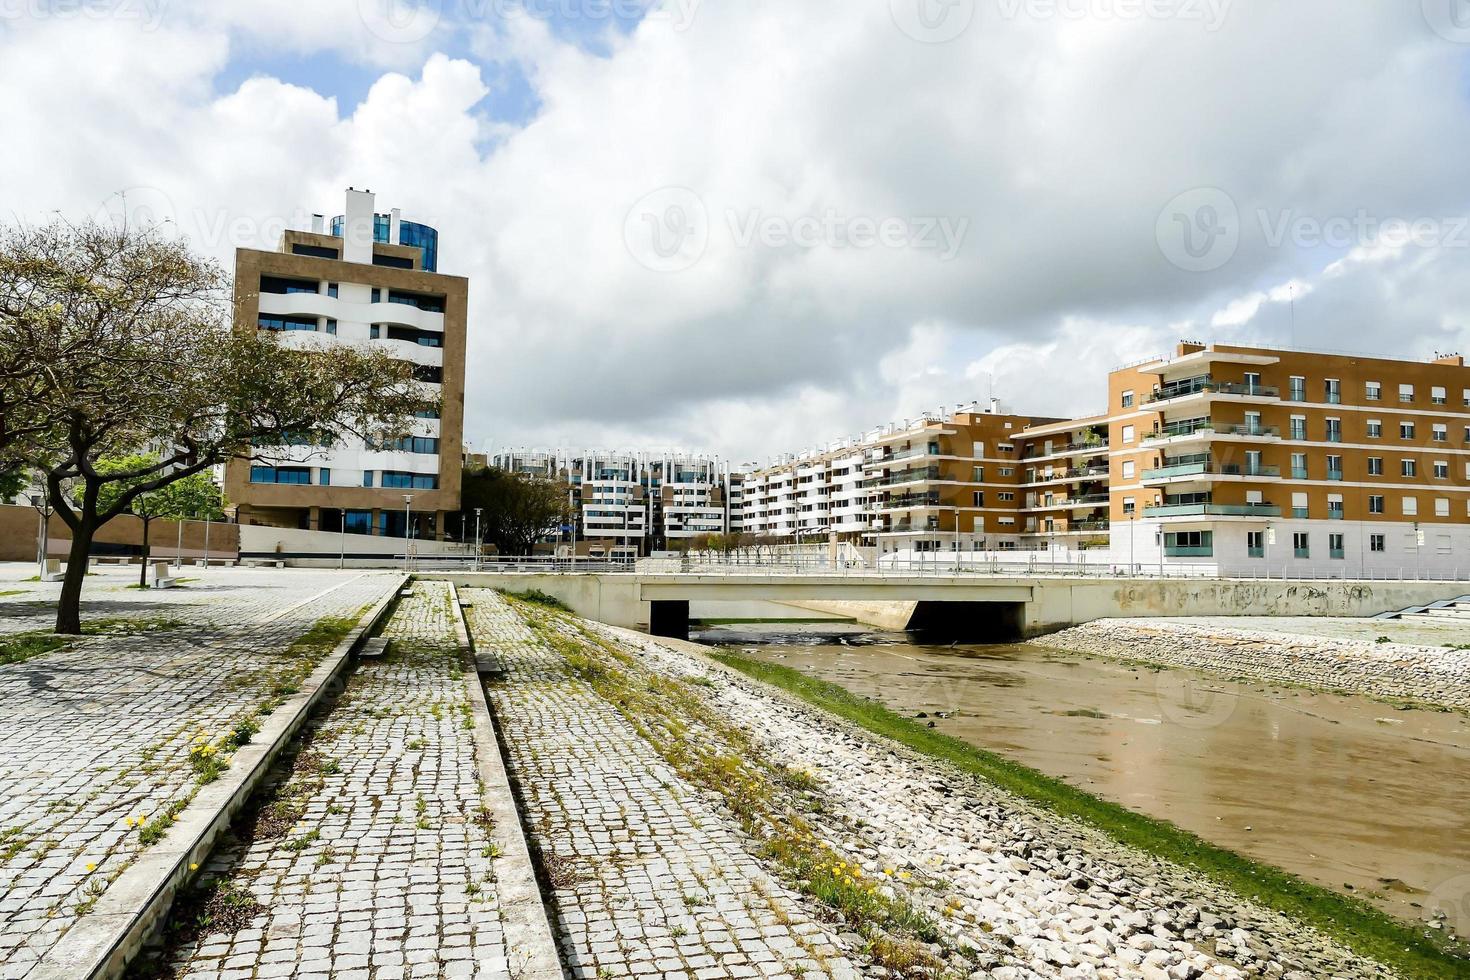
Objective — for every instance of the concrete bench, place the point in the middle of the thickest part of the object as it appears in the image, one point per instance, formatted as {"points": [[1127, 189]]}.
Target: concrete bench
{"points": [[206, 562], [264, 563], [159, 577], [52, 571], [115, 560]]}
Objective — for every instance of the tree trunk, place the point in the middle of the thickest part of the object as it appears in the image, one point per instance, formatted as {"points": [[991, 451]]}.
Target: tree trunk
{"points": [[69, 608], [143, 571]]}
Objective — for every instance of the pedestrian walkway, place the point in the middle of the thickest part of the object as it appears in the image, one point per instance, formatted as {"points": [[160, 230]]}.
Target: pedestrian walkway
{"points": [[101, 743], [650, 879], [370, 855]]}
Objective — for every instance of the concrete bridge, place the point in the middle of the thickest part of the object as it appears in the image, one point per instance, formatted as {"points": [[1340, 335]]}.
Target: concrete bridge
{"points": [[969, 608]]}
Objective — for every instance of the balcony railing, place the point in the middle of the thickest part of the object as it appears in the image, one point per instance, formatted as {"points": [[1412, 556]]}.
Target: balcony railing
{"points": [[1196, 385], [1212, 469], [903, 476], [1212, 510], [1035, 452], [908, 501]]}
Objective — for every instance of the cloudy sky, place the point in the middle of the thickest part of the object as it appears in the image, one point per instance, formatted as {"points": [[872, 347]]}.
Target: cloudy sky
{"points": [[753, 226]]}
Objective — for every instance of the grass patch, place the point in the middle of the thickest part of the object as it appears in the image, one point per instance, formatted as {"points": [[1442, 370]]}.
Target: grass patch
{"points": [[770, 801], [1354, 923], [20, 647], [536, 597]]}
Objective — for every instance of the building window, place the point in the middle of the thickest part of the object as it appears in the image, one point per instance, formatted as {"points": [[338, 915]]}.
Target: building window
{"points": [[1006, 497], [332, 290], [409, 481], [1406, 430], [1406, 393], [1334, 508], [1128, 432], [428, 373], [1130, 505], [1298, 466], [1297, 390], [367, 478], [1335, 547], [1301, 545], [1411, 506], [1127, 399], [1299, 506], [377, 295], [1189, 544], [1375, 429], [1441, 470], [1375, 465], [1299, 427], [1441, 433], [1334, 467], [1375, 504], [1441, 507], [1378, 543], [979, 497], [315, 251], [266, 321], [294, 475], [1438, 395], [282, 286], [1373, 391], [1255, 544], [332, 327], [1129, 469], [1334, 430], [1408, 467], [1332, 391], [324, 477]]}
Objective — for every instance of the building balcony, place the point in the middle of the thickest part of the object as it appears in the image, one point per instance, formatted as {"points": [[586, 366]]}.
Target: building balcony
{"points": [[1212, 510], [1200, 430], [1205, 388], [1207, 470], [910, 501], [919, 475], [1071, 449], [1072, 503]]}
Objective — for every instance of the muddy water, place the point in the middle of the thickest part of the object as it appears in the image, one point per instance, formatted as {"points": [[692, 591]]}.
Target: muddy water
{"points": [[1347, 792]]}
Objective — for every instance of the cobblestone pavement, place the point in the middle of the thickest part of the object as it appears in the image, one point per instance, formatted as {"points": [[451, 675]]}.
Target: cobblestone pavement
{"points": [[650, 878], [98, 735], [368, 857]]}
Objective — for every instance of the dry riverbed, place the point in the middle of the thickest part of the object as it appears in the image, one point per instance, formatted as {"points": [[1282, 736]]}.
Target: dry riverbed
{"points": [[822, 848]]}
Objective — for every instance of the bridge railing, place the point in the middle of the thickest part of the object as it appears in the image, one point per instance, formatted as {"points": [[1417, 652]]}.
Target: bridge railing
{"points": [[937, 565]]}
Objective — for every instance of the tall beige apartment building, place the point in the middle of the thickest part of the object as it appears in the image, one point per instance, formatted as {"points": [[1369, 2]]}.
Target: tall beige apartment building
{"points": [[366, 279]]}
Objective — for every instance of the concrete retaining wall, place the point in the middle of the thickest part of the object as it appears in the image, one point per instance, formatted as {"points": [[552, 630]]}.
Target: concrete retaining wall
{"points": [[19, 527], [879, 615]]}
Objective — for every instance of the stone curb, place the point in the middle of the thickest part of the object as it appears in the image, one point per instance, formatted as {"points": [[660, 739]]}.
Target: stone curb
{"points": [[529, 938], [102, 943]]}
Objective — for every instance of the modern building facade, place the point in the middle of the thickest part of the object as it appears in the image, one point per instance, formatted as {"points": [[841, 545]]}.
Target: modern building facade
{"points": [[369, 280], [636, 503], [1254, 458], [1249, 460]]}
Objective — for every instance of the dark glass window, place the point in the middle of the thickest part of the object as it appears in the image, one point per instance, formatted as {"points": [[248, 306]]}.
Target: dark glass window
{"points": [[429, 373], [280, 474], [409, 481], [367, 478], [359, 522], [429, 304], [392, 261], [377, 295], [280, 285], [413, 444], [324, 477], [269, 322], [315, 251], [424, 338]]}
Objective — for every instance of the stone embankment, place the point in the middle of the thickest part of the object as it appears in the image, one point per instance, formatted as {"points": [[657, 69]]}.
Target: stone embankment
{"points": [[702, 825], [1438, 676]]}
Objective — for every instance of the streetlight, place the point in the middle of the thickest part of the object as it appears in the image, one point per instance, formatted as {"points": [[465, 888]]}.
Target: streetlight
{"points": [[407, 529], [479, 545], [42, 503], [342, 547]]}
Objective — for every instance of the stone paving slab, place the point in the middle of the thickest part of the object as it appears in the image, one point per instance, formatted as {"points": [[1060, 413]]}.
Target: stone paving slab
{"points": [[371, 857], [650, 878], [96, 739]]}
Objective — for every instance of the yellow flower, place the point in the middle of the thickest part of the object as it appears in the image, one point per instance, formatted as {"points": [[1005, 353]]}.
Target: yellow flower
{"points": [[130, 821], [888, 872], [194, 866], [91, 868]]}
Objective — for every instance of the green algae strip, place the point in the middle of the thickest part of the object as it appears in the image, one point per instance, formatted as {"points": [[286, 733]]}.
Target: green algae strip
{"points": [[1357, 925]]}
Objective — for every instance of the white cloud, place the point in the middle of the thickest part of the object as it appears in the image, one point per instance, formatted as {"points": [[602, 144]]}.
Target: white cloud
{"points": [[1058, 143]]}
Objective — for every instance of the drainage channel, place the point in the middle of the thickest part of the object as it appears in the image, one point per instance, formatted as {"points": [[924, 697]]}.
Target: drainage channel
{"points": [[385, 837]]}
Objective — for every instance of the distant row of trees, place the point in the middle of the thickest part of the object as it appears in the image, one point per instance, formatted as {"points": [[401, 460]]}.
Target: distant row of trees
{"points": [[121, 377]]}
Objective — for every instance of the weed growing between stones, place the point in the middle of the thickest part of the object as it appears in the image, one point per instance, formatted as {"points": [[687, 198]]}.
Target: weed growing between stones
{"points": [[767, 799], [536, 597], [20, 647]]}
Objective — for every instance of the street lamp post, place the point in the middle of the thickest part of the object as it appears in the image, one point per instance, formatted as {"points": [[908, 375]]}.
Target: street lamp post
{"points": [[479, 544], [342, 544], [407, 530]]}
